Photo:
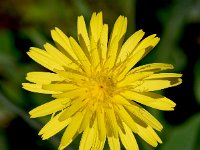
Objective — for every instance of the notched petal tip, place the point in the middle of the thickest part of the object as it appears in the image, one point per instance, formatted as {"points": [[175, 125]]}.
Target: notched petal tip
{"points": [[57, 29], [52, 30], [31, 113], [23, 84], [46, 45], [43, 138], [180, 81], [28, 52]]}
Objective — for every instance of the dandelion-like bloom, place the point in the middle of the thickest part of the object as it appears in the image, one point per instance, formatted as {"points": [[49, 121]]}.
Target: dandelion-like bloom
{"points": [[96, 92]]}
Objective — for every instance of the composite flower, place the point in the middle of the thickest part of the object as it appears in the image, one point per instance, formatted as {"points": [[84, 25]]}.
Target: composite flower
{"points": [[96, 89]]}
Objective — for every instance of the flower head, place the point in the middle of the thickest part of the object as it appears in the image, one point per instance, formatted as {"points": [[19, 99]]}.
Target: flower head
{"points": [[96, 90]]}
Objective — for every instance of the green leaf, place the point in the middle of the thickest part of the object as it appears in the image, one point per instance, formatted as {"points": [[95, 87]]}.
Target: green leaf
{"points": [[3, 143], [197, 81], [184, 137]]}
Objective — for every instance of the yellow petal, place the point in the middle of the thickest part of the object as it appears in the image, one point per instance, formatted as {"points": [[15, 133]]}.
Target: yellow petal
{"points": [[148, 42], [43, 77], [53, 127], [83, 56], [150, 99], [49, 107], [149, 135], [59, 57], [128, 139], [153, 67], [37, 88], [116, 40], [164, 76], [83, 35], [131, 78], [98, 144], [138, 111], [113, 143], [144, 115], [111, 119], [119, 29], [60, 38], [70, 94], [86, 120], [124, 116], [87, 138], [71, 75], [118, 99], [103, 42], [159, 81], [127, 65], [71, 110], [95, 58], [96, 24], [71, 130], [153, 85], [112, 53], [129, 46], [142, 49], [101, 124], [59, 87], [44, 59]]}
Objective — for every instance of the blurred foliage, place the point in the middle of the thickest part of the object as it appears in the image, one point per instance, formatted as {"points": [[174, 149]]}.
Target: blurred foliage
{"points": [[185, 136], [197, 81], [26, 23]]}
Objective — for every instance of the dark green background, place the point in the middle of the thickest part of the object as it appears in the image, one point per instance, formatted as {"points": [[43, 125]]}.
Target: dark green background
{"points": [[26, 23]]}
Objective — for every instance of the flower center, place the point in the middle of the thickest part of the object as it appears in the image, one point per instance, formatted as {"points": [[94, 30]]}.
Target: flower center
{"points": [[100, 89]]}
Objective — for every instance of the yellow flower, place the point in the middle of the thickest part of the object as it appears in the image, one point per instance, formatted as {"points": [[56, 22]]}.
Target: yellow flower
{"points": [[95, 89]]}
